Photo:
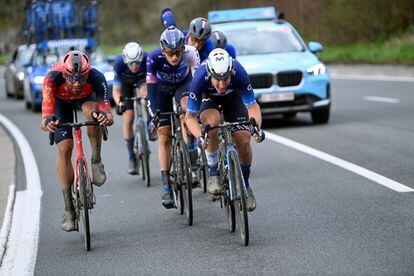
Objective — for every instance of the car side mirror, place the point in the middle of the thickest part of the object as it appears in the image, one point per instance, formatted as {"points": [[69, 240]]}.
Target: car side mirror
{"points": [[281, 16], [315, 47]]}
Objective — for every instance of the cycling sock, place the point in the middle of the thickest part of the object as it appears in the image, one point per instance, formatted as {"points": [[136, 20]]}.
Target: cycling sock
{"points": [[67, 197], [130, 148], [212, 161], [246, 173], [165, 176]]}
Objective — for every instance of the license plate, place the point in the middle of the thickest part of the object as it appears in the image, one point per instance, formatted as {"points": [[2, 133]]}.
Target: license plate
{"points": [[277, 97]]}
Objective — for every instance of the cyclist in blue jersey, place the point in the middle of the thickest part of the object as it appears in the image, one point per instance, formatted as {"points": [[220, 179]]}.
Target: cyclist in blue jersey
{"points": [[169, 72], [222, 83], [198, 35], [130, 72], [220, 41]]}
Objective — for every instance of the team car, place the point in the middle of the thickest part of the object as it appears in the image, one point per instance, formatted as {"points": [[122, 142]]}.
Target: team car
{"points": [[50, 52], [14, 71], [286, 73]]}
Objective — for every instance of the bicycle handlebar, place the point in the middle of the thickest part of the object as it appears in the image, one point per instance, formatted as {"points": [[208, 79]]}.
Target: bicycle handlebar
{"points": [[104, 129]]}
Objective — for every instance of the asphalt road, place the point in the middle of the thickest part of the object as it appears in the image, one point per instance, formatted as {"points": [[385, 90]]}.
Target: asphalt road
{"points": [[313, 218]]}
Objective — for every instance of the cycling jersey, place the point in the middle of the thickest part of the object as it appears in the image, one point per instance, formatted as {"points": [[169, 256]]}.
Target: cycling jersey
{"points": [[231, 50], [160, 71], [55, 86], [201, 88], [124, 76]]}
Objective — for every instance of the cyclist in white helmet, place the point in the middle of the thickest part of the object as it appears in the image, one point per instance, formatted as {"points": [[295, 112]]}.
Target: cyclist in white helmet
{"points": [[130, 72], [222, 83]]}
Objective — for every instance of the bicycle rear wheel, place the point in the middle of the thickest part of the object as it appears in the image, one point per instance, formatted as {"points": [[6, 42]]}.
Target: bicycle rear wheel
{"points": [[144, 155], [186, 181], [83, 182], [236, 179]]}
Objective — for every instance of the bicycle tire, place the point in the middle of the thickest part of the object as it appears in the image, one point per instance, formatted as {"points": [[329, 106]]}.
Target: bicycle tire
{"points": [[144, 155], [177, 190], [83, 182], [225, 197], [187, 183], [203, 170], [240, 199]]}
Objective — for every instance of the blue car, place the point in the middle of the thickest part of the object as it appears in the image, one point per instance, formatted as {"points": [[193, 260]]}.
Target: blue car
{"points": [[285, 72], [48, 53]]}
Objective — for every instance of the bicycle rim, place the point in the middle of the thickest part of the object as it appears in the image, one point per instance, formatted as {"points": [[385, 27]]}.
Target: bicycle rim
{"points": [[228, 205], [240, 201], [145, 156], [83, 182], [186, 183]]}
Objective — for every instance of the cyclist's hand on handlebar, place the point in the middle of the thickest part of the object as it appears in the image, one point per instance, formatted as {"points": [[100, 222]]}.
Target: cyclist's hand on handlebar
{"points": [[51, 123], [100, 117], [259, 135], [201, 143]]}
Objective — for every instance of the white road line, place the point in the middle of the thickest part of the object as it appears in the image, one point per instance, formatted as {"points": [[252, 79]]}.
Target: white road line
{"points": [[21, 252], [382, 180], [381, 99], [371, 77]]}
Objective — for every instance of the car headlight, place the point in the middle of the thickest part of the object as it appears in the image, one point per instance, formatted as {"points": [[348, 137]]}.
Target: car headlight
{"points": [[38, 79], [109, 76], [20, 75], [317, 69]]}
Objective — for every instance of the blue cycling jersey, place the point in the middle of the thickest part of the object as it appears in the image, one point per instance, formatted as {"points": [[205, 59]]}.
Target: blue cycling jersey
{"points": [[201, 85], [231, 50], [160, 71], [124, 75]]}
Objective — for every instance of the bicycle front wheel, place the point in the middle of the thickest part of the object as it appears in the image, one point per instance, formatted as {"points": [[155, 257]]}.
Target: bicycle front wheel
{"points": [[84, 210], [186, 181], [144, 156], [236, 179], [203, 170], [177, 176]]}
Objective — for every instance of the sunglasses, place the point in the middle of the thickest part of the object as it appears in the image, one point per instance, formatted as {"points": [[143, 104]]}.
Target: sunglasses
{"points": [[76, 78], [171, 53], [134, 63]]}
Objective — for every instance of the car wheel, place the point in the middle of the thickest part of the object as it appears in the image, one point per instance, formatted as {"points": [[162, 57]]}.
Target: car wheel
{"points": [[289, 115], [28, 104], [320, 116], [8, 94]]}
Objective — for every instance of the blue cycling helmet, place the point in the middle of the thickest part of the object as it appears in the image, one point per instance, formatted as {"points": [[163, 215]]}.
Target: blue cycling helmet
{"points": [[172, 38]]}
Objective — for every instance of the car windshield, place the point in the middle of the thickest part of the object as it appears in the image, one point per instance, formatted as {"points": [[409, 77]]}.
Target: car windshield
{"points": [[25, 55], [264, 40]]}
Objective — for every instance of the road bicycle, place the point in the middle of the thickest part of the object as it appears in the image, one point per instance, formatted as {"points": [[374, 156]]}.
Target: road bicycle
{"points": [[141, 140], [82, 188], [234, 195], [181, 166]]}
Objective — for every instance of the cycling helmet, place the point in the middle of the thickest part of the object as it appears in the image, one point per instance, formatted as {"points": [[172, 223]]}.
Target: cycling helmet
{"points": [[200, 28], [172, 38], [132, 52], [76, 63], [219, 40], [220, 65]]}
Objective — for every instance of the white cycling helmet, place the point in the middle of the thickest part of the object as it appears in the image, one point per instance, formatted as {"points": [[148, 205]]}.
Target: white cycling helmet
{"points": [[132, 52], [220, 65]]}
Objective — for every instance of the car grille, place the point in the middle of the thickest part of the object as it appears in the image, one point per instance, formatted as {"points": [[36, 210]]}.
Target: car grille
{"points": [[289, 78], [261, 81]]}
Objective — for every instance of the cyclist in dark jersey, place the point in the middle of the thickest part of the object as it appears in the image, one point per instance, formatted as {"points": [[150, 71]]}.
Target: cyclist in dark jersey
{"points": [[169, 72], [74, 82], [222, 83], [130, 72]]}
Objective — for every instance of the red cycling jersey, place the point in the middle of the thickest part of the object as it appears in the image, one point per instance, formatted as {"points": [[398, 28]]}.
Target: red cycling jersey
{"points": [[55, 85]]}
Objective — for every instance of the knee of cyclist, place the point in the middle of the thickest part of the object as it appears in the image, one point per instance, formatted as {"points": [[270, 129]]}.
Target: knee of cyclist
{"points": [[65, 151]]}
